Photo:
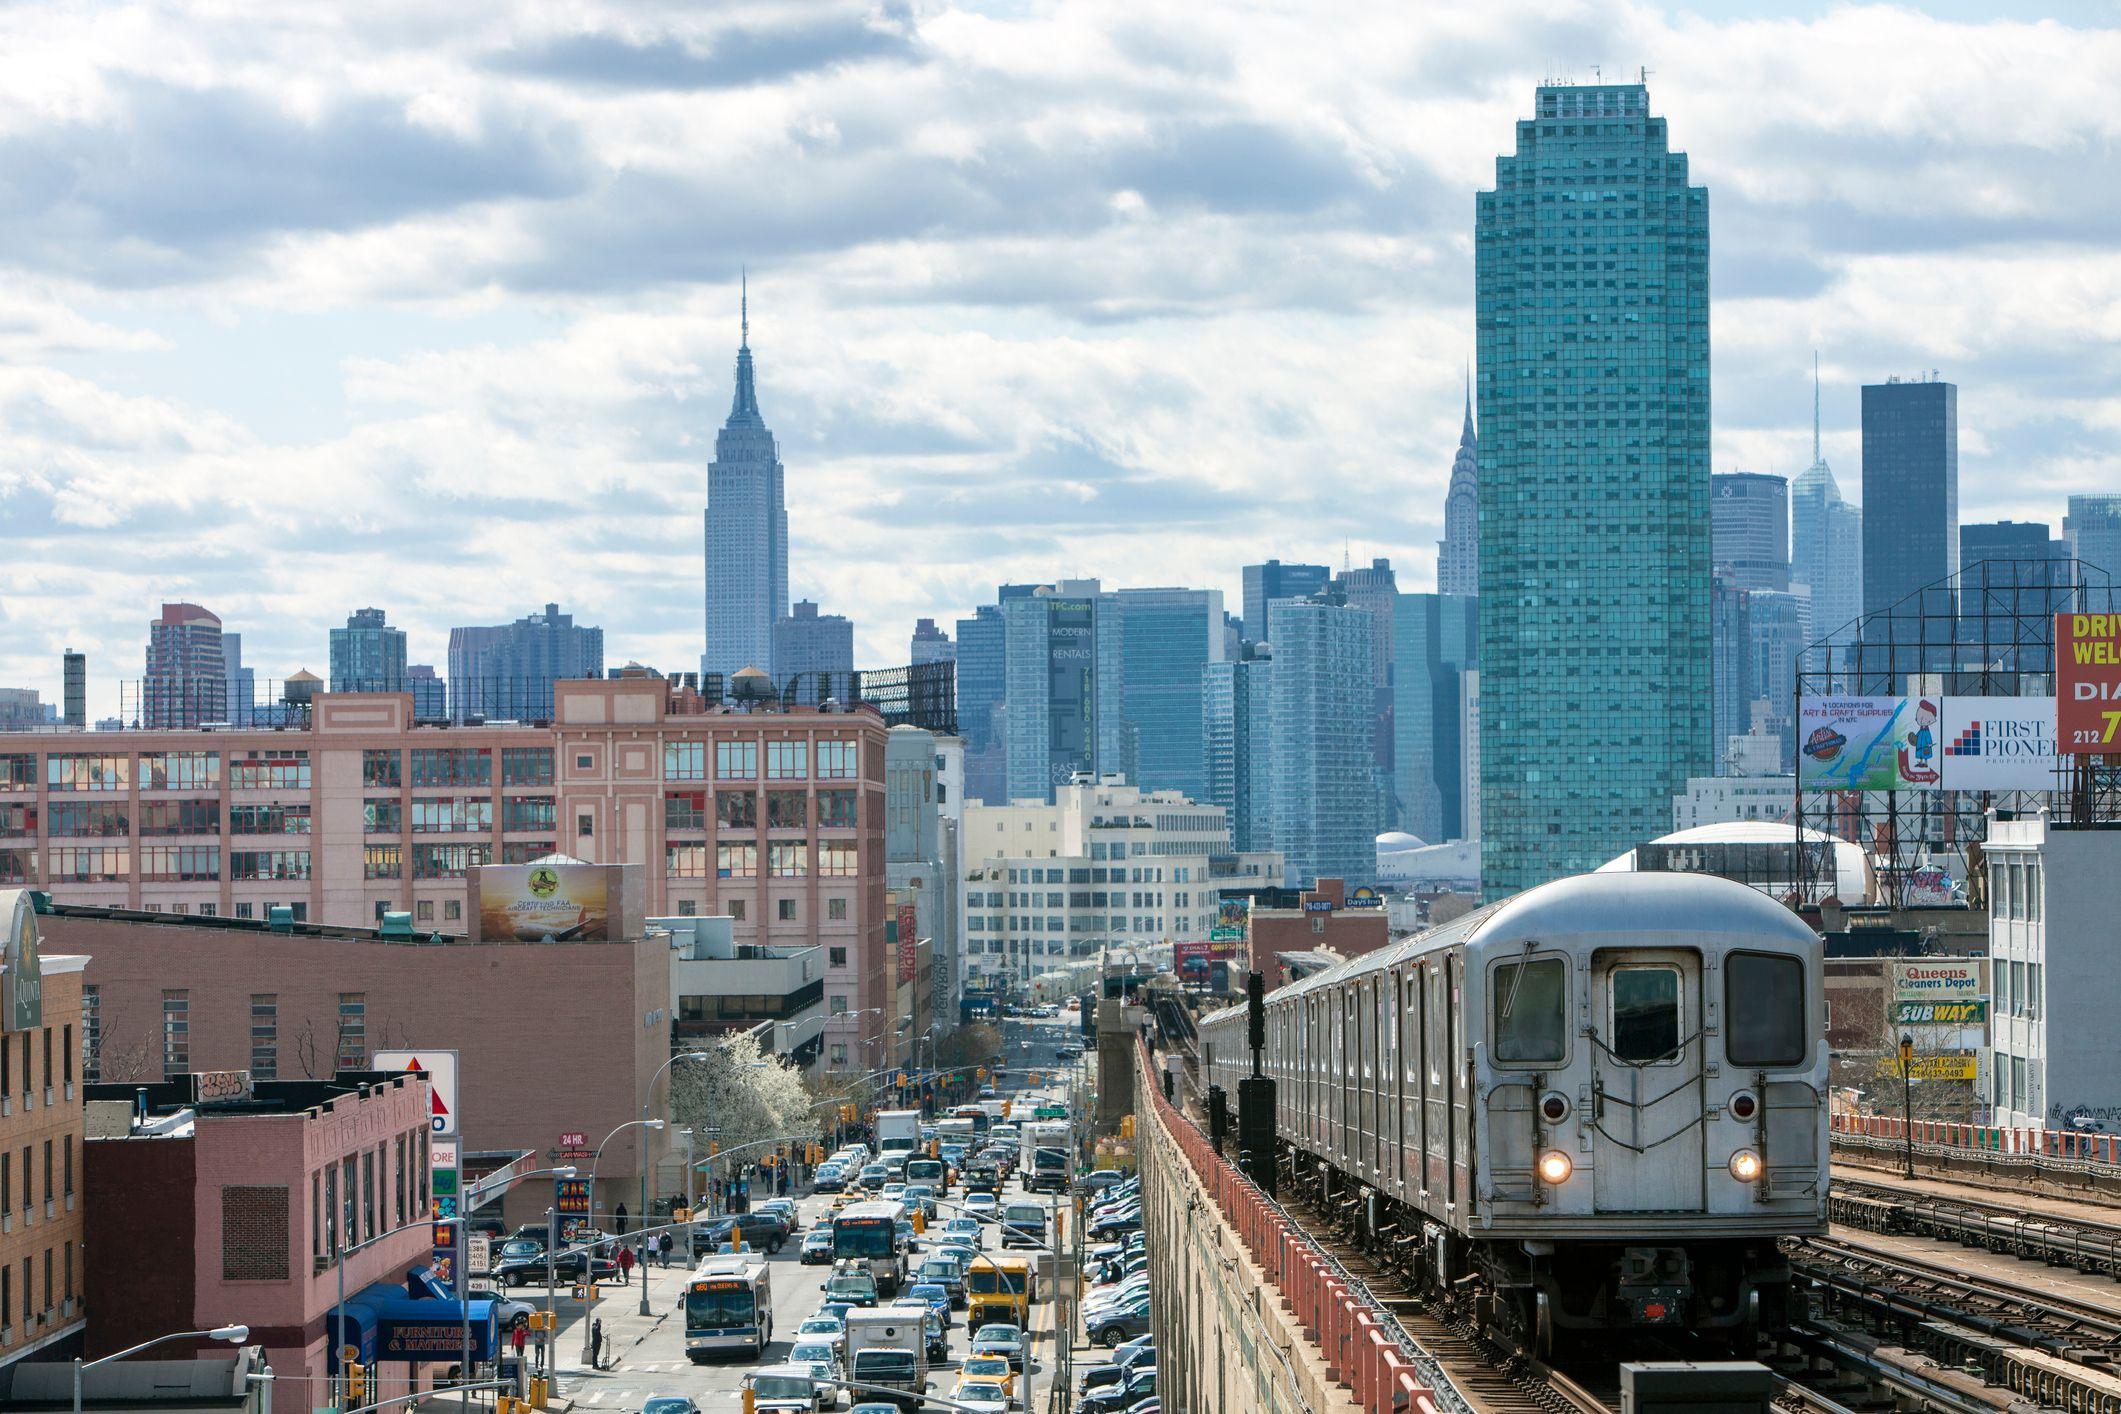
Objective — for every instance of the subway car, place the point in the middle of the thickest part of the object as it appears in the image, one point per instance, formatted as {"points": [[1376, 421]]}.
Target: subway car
{"points": [[1591, 1107]]}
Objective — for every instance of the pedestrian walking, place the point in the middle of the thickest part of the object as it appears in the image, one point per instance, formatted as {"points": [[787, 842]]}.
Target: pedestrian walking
{"points": [[626, 1267], [596, 1344], [620, 1215], [663, 1245]]}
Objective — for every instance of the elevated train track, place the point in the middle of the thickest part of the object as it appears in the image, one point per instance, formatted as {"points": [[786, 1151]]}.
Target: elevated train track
{"points": [[2081, 1244]]}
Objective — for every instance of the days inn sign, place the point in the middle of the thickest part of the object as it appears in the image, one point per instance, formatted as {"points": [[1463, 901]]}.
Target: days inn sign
{"points": [[21, 971]]}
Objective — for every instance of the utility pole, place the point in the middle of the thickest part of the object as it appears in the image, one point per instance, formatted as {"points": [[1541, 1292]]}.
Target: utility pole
{"points": [[1907, 1104]]}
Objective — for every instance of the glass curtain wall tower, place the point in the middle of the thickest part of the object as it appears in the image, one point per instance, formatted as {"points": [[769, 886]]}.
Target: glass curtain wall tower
{"points": [[1592, 295]]}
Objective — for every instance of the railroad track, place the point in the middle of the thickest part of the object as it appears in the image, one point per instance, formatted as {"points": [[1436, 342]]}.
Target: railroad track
{"points": [[1911, 1289], [2081, 1244]]}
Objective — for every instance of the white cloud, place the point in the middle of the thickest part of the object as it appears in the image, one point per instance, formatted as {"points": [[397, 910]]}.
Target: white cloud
{"points": [[1120, 287]]}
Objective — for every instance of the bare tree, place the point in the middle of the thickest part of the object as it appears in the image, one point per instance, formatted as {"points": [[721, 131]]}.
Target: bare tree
{"points": [[120, 1060], [307, 1051]]}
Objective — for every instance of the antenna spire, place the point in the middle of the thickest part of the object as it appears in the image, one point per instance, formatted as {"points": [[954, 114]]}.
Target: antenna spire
{"points": [[1815, 407], [744, 305]]}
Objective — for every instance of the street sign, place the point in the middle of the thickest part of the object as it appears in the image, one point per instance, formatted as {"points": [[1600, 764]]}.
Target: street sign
{"points": [[478, 1254], [573, 1139], [441, 1068]]}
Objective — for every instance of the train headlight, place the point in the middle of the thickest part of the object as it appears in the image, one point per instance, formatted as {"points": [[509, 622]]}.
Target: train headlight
{"points": [[1745, 1166], [1743, 1105], [1555, 1167], [1553, 1107]]}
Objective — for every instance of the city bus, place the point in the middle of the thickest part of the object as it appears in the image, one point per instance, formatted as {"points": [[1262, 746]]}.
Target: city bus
{"points": [[728, 1308], [869, 1233], [998, 1289]]}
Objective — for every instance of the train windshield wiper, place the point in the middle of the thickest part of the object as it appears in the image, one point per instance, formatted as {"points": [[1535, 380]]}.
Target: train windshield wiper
{"points": [[1509, 1003]]}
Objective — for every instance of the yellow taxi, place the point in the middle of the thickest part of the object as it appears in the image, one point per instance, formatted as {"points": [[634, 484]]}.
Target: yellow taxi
{"points": [[988, 1367]]}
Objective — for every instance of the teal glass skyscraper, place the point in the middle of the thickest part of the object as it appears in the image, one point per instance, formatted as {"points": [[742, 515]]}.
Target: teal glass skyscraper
{"points": [[1592, 297]]}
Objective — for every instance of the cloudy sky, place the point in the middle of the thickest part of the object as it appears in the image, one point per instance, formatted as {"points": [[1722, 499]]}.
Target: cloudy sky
{"points": [[433, 307]]}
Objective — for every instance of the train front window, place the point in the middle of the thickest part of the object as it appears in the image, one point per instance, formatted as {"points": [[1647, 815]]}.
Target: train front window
{"points": [[1530, 1010], [1763, 1002], [1645, 1013]]}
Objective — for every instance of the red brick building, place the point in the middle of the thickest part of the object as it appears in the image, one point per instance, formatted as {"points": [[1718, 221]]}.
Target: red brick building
{"points": [[1321, 920]]}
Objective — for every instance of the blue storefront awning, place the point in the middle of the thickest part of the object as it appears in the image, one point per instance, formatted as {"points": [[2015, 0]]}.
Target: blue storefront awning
{"points": [[418, 1320]]}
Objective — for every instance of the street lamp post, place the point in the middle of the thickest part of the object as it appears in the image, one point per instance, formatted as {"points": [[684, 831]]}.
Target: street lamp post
{"points": [[640, 1248], [589, 1262], [1907, 1104], [339, 1270], [234, 1335]]}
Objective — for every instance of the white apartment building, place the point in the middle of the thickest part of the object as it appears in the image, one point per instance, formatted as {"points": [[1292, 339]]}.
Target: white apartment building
{"points": [[2052, 937], [1105, 866], [1722, 800]]}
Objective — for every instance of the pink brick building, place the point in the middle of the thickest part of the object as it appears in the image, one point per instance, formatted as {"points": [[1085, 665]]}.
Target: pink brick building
{"points": [[775, 818], [207, 1216]]}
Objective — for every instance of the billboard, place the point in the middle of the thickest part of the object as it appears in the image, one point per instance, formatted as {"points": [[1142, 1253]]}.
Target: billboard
{"points": [[1363, 896], [22, 1004], [1999, 743], [909, 935], [441, 1068], [1232, 916], [1868, 743], [1941, 1013], [545, 902], [1941, 979], [1943, 1065], [2088, 682], [1192, 961]]}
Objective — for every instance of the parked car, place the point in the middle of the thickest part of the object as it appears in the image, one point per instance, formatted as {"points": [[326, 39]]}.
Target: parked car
{"points": [[762, 1231], [1123, 1361], [567, 1268], [1113, 1399], [816, 1250], [1113, 1327]]}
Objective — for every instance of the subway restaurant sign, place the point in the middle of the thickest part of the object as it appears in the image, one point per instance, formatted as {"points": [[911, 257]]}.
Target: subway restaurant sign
{"points": [[1954, 1013], [21, 970]]}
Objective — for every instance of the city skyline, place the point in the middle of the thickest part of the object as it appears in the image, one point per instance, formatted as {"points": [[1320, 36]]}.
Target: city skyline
{"points": [[411, 396]]}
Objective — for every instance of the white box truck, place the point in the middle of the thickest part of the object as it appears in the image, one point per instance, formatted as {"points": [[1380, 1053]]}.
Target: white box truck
{"points": [[898, 1130], [1046, 1159], [887, 1348]]}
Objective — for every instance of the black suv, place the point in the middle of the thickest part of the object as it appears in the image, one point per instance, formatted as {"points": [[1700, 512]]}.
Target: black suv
{"points": [[762, 1232]]}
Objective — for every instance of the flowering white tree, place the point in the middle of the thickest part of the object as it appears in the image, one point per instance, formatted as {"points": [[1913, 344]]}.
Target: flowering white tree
{"points": [[740, 1092]]}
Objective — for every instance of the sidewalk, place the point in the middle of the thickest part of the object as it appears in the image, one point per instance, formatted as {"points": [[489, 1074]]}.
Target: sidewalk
{"points": [[619, 1307]]}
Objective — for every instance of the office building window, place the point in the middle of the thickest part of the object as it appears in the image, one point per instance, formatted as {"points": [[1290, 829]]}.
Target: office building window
{"points": [[526, 765], [789, 861], [447, 861], [736, 861], [172, 863], [265, 1035], [423, 910], [736, 760], [18, 772], [268, 864], [277, 818], [87, 771], [736, 909], [685, 810], [91, 1031], [787, 810], [382, 861], [452, 766], [836, 957], [523, 851], [736, 810], [684, 760], [838, 760], [836, 810], [382, 768], [685, 861], [454, 815], [785, 910], [180, 770], [180, 817], [787, 760], [176, 1033], [836, 909], [838, 859], [269, 770], [353, 1030]]}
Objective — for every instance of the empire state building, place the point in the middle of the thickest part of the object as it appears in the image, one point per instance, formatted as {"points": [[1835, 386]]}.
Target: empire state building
{"points": [[747, 532]]}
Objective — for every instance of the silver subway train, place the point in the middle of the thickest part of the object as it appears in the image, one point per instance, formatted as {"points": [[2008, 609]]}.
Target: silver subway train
{"points": [[1594, 1106]]}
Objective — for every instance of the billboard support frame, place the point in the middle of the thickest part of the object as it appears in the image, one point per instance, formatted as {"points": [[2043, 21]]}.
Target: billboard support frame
{"points": [[1987, 631]]}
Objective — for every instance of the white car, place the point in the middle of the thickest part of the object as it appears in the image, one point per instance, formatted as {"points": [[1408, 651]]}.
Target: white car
{"points": [[982, 1396], [982, 1206]]}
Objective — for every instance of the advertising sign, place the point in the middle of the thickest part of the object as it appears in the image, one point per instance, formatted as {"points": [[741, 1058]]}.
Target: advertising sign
{"points": [[1868, 743], [1927, 884], [1318, 905], [909, 930], [1365, 897], [570, 1206], [1947, 979], [1943, 1065], [538, 903], [1962, 1013], [429, 1338], [1232, 916], [441, 1068], [1999, 743], [24, 1000], [2088, 682]]}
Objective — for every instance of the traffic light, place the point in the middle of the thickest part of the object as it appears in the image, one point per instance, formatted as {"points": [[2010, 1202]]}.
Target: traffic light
{"points": [[714, 1146], [356, 1384]]}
